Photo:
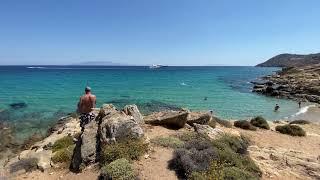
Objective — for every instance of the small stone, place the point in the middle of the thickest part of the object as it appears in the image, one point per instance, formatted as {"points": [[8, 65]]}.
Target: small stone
{"points": [[146, 156], [51, 173]]}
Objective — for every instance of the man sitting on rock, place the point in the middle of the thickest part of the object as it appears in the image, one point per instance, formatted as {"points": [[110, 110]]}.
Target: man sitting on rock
{"points": [[86, 103]]}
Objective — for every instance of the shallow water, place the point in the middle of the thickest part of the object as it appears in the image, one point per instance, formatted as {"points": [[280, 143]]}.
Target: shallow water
{"points": [[53, 91]]}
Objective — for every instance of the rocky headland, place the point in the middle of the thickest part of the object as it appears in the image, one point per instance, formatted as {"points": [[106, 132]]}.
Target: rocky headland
{"points": [[124, 144], [300, 83], [291, 60]]}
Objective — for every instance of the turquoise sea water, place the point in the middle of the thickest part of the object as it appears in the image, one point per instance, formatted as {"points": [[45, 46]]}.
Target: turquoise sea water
{"points": [[53, 91]]}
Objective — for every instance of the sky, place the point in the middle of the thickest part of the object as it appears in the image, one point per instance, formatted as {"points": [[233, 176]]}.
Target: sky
{"points": [[143, 32]]}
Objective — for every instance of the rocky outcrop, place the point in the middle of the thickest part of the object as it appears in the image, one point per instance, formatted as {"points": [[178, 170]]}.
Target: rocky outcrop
{"points": [[174, 119], [198, 117], [132, 110], [109, 126], [206, 130], [119, 126], [298, 83]]}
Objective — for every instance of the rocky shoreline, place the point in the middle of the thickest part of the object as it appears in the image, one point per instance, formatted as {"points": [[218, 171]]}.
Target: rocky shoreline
{"points": [[89, 147], [297, 83]]}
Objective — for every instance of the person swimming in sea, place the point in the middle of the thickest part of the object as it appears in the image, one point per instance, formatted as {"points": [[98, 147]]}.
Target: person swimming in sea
{"points": [[86, 103], [276, 108]]}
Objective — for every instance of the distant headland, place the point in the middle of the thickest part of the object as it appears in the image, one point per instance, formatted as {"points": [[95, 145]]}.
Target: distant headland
{"points": [[291, 60]]}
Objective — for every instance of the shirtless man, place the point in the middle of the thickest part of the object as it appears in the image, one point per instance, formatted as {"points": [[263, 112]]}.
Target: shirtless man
{"points": [[85, 105]]}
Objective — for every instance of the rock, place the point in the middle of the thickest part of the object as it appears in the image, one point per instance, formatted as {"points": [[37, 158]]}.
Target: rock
{"points": [[89, 140], [198, 117], [132, 110], [44, 160], [175, 119], [107, 109], [18, 105], [119, 126], [207, 130]]}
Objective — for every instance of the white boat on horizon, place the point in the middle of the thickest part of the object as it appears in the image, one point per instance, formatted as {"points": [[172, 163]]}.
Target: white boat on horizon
{"points": [[156, 66]]}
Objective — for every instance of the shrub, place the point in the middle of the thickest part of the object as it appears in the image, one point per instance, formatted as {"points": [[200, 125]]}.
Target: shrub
{"points": [[237, 174], [292, 130], [212, 123], [244, 125], [63, 155], [222, 122], [238, 145], [119, 169], [130, 149], [196, 155], [300, 122], [171, 142], [223, 158], [188, 136], [260, 122], [62, 143]]}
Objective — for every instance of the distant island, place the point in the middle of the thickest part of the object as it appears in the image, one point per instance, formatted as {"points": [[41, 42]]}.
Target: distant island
{"points": [[99, 63], [291, 60]]}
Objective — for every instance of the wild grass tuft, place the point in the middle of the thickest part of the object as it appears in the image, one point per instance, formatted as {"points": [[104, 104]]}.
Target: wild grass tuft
{"points": [[130, 149], [119, 169], [171, 142], [62, 143]]}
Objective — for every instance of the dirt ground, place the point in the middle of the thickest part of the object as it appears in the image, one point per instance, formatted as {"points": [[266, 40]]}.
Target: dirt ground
{"points": [[282, 156]]}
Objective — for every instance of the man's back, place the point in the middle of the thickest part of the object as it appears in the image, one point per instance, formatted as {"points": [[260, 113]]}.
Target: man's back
{"points": [[87, 102]]}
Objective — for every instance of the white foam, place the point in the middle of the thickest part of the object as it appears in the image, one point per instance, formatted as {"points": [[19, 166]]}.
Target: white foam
{"points": [[303, 110], [183, 84]]}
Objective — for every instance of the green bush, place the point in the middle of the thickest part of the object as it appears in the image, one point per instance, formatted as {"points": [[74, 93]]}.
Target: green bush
{"points": [[130, 149], [243, 124], [300, 122], [238, 145], [222, 122], [120, 169], [63, 155], [62, 143], [260, 122], [171, 142], [292, 130], [215, 171], [237, 174]]}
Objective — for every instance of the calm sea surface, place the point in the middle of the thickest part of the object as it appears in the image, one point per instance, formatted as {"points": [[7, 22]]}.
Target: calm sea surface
{"points": [[50, 92]]}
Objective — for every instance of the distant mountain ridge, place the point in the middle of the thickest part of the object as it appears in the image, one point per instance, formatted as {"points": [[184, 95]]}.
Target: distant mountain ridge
{"points": [[291, 60], [99, 63]]}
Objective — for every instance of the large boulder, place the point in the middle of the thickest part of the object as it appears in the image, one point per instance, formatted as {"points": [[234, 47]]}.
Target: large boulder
{"points": [[132, 110], [206, 130], [176, 119], [89, 140], [119, 126], [198, 117]]}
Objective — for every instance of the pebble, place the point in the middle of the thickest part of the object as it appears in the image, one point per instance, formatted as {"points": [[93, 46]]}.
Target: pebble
{"points": [[146, 156]]}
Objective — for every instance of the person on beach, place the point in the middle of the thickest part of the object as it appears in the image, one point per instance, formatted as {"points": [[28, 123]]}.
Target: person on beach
{"points": [[85, 105], [276, 108], [299, 104]]}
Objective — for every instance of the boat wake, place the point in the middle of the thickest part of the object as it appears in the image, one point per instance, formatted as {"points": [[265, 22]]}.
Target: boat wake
{"points": [[36, 67]]}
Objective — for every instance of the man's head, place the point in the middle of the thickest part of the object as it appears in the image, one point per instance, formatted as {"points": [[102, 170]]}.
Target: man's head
{"points": [[87, 89]]}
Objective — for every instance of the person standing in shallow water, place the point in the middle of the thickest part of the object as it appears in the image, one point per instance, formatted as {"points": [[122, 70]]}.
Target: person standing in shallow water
{"points": [[86, 103], [276, 108]]}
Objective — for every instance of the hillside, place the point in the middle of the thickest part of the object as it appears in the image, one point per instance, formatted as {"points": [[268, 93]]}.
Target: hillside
{"points": [[291, 60]]}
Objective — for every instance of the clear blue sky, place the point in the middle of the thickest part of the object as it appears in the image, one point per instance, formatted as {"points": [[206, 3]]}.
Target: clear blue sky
{"points": [[173, 32]]}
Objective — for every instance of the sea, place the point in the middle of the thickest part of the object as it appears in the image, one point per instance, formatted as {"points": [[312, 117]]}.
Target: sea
{"points": [[33, 98]]}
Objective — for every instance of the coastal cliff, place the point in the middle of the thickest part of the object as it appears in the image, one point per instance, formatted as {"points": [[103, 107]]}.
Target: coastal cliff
{"points": [[291, 60], [298, 83]]}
